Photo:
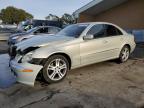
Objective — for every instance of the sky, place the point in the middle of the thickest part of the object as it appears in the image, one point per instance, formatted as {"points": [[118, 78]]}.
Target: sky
{"points": [[42, 8]]}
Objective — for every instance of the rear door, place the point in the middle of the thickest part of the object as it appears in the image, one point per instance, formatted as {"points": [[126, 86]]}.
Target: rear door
{"points": [[114, 37]]}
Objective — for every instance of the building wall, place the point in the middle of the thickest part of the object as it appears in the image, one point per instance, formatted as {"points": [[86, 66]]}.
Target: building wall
{"points": [[85, 18], [129, 15]]}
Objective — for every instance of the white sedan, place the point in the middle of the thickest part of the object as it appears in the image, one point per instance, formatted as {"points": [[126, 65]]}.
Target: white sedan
{"points": [[75, 46]]}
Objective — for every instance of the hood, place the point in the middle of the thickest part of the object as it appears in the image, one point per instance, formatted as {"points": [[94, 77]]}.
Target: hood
{"points": [[39, 41], [18, 34]]}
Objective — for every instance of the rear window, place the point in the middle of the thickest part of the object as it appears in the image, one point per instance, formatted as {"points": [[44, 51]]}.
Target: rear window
{"points": [[112, 31]]}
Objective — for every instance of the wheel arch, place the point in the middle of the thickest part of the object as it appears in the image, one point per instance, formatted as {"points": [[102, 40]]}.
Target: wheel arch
{"points": [[59, 53], [43, 61], [128, 46]]}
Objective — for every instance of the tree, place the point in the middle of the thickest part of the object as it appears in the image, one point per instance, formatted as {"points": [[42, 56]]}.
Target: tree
{"points": [[52, 17], [68, 19], [12, 15]]}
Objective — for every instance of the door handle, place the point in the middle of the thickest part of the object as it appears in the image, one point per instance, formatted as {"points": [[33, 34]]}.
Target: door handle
{"points": [[121, 38], [105, 41]]}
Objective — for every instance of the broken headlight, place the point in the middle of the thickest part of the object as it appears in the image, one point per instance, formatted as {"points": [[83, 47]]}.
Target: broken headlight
{"points": [[27, 57]]}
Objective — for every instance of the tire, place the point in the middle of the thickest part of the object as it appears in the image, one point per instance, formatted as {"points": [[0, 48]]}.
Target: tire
{"points": [[55, 69], [124, 54]]}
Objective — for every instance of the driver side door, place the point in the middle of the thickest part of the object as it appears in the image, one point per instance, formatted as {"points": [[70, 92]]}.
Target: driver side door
{"points": [[94, 50]]}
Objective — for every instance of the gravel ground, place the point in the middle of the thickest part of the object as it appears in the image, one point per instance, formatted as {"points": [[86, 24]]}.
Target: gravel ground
{"points": [[102, 85], [106, 85]]}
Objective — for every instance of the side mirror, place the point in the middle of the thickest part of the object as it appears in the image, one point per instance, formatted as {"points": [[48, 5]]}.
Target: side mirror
{"points": [[88, 37]]}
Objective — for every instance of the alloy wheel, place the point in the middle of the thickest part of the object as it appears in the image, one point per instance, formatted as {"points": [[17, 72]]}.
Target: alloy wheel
{"points": [[125, 54], [56, 69]]}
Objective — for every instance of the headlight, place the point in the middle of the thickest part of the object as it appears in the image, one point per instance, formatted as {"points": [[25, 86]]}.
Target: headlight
{"points": [[27, 57]]}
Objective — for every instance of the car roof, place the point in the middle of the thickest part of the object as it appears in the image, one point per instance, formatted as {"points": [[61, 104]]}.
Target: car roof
{"points": [[48, 26], [94, 23], [97, 23]]}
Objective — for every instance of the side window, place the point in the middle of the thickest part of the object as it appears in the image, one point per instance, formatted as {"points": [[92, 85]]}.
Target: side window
{"points": [[42, 30], [45, 30], [97, 31], [39, 30], [53, 30], [112, 31]]}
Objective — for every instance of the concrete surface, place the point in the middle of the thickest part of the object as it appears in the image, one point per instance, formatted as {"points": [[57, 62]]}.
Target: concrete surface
{"points": [[3, 47], [7, 78], [4, 36], [102, 85]]}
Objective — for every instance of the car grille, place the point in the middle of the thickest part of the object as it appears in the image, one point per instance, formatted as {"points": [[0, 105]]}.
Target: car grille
{"points": [[12, 52]]}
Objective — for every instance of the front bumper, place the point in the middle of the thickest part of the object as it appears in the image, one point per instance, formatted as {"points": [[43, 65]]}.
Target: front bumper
{"points": [[27, 77], [133, 46]]}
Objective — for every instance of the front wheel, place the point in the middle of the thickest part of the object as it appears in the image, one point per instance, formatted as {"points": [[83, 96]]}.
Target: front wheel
{"points": [[55, 69], [124, 54]]}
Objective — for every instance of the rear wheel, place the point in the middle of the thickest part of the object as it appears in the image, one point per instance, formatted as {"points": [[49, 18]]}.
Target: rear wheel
{"points": [[55, 69], [124, 54]]}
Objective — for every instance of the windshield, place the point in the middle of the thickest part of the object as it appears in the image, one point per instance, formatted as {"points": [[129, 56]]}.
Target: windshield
{"points": [[32, 30], [73, 30]]}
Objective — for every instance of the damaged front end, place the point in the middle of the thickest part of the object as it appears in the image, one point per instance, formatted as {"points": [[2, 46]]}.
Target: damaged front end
{"points": [[25, 71]]}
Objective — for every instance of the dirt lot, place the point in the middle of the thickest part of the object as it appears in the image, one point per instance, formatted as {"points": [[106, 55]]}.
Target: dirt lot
{"points": [[102, 85]]}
